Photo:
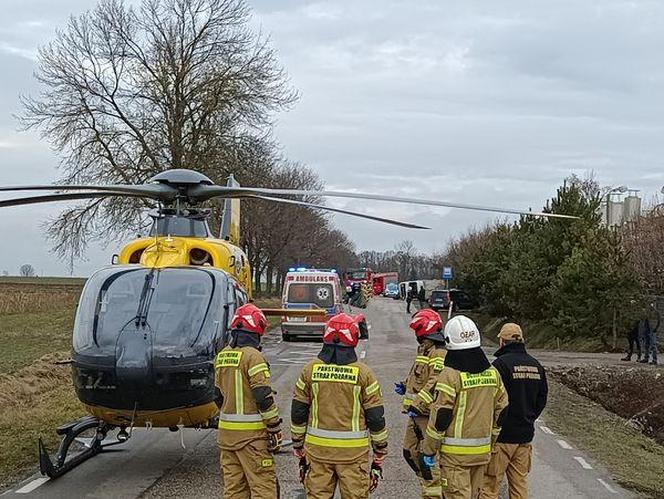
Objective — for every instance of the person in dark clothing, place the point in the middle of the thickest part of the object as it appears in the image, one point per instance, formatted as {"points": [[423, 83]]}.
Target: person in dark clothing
{"points": [[527, 389], [648, 334], [410, 296], [633, 341], [643, 332], [422, 297]]}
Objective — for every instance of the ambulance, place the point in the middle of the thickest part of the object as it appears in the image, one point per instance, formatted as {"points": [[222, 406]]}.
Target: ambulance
{"points": [[310, 289]]}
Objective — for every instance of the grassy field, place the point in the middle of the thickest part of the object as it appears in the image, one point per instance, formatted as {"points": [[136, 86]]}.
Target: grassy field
{"points": [[36, 395], [633, 459], [36, 320], [44, 281]]}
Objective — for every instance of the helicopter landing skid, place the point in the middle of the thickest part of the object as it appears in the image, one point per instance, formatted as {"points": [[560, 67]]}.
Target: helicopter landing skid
{"points": [[70, 433]]}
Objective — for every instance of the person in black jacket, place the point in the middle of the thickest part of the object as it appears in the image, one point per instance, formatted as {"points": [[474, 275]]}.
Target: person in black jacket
{"points": [[422, 297], [633, 340], [410, 296], [527, 389]]}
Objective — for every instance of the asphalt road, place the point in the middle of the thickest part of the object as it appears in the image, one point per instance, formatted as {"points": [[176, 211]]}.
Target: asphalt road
{"points": [[157, 463]]}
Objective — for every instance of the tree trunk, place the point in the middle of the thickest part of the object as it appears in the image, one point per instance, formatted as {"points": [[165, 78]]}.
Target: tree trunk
{"points": [[257, 279], [615, 329], [269, 276], [279, 284]]}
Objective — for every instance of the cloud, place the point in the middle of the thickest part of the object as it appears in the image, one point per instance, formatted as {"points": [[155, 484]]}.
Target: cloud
{"points": [[18, 51], [473, 101]]}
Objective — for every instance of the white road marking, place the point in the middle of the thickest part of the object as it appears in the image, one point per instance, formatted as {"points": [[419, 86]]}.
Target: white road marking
{"points": [[37, 482], [547, 430], [564, 444], [607, 486], [584, 464]]}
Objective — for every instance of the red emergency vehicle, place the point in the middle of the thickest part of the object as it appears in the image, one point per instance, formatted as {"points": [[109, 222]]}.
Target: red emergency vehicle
{"points": [[363, 275], [380, 281]]}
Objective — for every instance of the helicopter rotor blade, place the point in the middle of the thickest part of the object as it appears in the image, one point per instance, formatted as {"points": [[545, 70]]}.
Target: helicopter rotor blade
{"points": [[67, 196], [203, 192], [157, 191], [337, 210]]}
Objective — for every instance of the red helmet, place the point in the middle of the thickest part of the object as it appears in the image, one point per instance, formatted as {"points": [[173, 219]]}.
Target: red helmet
{"points": [[250, 318], [426, 322], [362, 325], [342, 328]]}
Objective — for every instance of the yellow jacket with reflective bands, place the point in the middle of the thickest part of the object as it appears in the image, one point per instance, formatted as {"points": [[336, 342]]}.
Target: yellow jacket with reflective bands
{"points": [[241, 375], [475, 402], [345, 412], [421, 381]]}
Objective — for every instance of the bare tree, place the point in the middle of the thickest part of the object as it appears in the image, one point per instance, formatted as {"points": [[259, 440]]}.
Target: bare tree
{"points": [[26, 270], [128, 92], [644, 240]]}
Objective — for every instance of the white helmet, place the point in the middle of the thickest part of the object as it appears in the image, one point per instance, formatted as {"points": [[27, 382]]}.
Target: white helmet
{"points": [[461, 333]]}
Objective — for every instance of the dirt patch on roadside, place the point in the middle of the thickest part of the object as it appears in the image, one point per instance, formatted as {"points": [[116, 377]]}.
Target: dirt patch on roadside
{"points": [[634, 393], [26, 386], [34, 401]]}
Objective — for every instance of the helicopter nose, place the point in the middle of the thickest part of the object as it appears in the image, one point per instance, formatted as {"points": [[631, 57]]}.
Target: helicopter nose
{"points": [[133, 353]]}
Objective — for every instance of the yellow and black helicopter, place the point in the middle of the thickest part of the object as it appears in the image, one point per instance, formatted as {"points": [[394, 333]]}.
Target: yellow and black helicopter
{"points": [[148, 327]]}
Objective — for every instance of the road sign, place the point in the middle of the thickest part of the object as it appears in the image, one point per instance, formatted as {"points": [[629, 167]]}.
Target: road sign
{"points": [[448, 273]]}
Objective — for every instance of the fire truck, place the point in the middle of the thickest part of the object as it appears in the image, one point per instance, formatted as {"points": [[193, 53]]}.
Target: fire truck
{"points": [[363, 276], [380, 281], [310, 289]]}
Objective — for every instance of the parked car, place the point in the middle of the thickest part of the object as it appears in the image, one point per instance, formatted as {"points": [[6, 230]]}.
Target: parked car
{"points": [[440, 300], [391, 290]]}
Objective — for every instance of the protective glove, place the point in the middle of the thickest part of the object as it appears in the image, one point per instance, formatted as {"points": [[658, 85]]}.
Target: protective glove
{"points": [[376, 472], [304, 467], [298, 452], [413, 413], [400, 388], [430, 461], [275, 438]]}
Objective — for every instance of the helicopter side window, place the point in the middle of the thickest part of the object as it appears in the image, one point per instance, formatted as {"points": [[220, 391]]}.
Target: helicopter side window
{"points": [[179, 226], [240, 296]]}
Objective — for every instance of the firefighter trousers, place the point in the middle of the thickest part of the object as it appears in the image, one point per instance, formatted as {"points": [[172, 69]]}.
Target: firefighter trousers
{"points": [[460, 482], [249, 472], [322, 479], [412, 443], [513, 460]]}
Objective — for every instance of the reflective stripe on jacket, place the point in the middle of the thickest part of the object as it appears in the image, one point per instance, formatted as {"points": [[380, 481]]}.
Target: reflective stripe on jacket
{"points": [[421, 381], [476, 401], [341, 401], [241, 373]]}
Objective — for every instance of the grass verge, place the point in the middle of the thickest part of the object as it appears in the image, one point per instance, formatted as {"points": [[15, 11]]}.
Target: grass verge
{"points": [[27, 337], [34, 400], [634, 460]]}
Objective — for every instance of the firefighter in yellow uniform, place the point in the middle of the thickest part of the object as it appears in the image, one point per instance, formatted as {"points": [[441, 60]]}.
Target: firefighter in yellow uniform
{"points": [[467, 413], [336, 415], [249, 423], [418, 391]]}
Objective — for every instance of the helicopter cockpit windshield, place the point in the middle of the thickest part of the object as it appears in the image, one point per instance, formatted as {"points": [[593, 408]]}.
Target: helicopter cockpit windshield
{"points": [[180, 308]]}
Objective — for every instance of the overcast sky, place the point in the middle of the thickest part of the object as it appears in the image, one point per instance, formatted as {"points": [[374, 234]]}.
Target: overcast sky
{"points": [[473, 101]]}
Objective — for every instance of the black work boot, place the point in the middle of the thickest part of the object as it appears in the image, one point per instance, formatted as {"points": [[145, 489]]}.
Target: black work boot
{"points": [[644, 360], [627, 358]]}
